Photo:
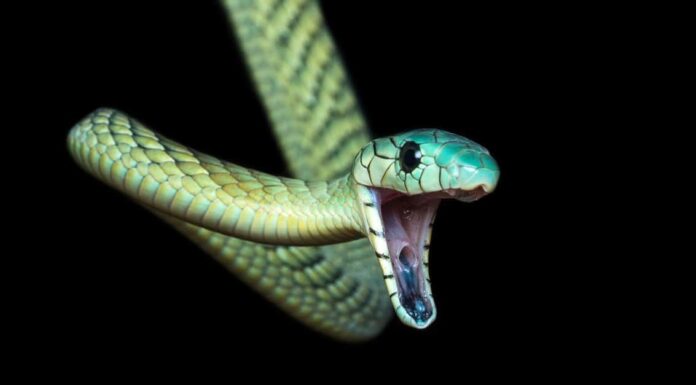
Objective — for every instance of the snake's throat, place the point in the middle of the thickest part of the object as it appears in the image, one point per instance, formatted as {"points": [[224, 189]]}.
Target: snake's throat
{"points": [[407, 221]]}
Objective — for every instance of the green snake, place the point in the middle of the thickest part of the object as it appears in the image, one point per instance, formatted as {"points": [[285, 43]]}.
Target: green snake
{"points": [[300, 241]]}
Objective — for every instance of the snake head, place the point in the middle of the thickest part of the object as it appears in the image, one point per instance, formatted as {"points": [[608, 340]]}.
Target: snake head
{"points": [[400, 181]]}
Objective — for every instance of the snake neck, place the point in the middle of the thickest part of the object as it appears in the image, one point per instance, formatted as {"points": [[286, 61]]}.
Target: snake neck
{"points": [[317, 212], [285, 211], [204, 191]]}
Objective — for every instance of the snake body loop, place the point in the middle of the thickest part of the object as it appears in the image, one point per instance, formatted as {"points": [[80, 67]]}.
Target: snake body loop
{"points": [[338, 247]]}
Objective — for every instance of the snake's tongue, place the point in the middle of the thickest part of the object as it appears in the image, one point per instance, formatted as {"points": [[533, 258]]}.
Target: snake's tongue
{"points": [[409, 274], [407, 222]]}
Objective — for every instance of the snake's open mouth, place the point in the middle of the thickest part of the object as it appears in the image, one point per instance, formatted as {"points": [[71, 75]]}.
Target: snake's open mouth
{"points": [[407, 222]]}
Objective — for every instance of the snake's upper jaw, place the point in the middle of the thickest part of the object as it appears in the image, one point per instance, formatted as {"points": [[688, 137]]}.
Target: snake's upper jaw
{"points": [[475, 185], [467, 195]]}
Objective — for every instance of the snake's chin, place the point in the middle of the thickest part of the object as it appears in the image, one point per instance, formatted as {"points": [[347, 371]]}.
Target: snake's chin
{"points": [[407, 221]]}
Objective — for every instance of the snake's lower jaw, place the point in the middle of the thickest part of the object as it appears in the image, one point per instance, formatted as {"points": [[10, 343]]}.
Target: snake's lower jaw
{"points": [[407, 222], [415, 300]]}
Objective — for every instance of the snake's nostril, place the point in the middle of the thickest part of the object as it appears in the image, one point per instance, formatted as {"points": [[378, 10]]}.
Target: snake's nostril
{"points": [[489, 162]]}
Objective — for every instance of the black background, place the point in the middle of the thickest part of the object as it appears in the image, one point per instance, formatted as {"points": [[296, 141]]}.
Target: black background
{"points": [[512, 277]]}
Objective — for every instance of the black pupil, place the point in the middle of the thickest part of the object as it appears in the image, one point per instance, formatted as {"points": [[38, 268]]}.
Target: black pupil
{"points": [[410, 156]]}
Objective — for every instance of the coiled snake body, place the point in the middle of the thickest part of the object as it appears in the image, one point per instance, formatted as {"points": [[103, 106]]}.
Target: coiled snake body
{"points": [[301, 242]]}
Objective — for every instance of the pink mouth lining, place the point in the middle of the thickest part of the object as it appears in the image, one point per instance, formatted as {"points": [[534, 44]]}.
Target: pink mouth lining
{"points": [[407, 220]]}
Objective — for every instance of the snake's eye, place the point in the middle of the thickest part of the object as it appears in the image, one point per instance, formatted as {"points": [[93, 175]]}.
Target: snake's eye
{"points": [[410, 156]]}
